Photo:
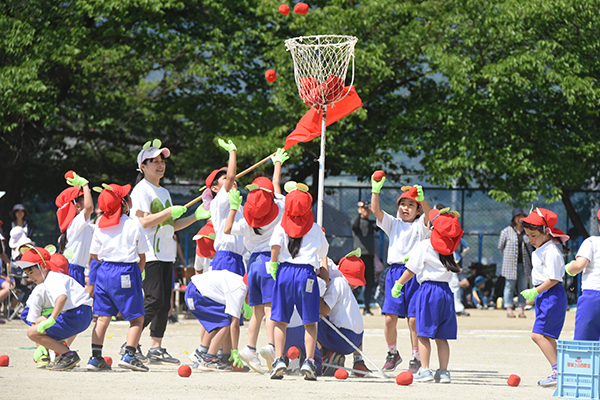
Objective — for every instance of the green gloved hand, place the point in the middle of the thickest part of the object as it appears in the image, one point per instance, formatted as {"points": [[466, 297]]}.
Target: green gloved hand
{"points": [[235, 357], [39, 352], [229, 146], [567, 266], [280, 156], [201, 213], [77, 180], [272, 267], [420, 196], [530, 294], [178, 211], [396, 289], [247, 311], [45, 324], [47, 311], [235, 199], [405, 259], [376, 186]]}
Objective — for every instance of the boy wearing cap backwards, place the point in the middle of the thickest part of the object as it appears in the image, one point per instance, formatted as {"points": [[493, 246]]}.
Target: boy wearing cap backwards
{"points": [[298, 244], [262, 213], [587, 319], [404, 233], [120, 244], [152, 205], [433, 262], [75, 207], [72, 308], [340, 307], [546, 275]]}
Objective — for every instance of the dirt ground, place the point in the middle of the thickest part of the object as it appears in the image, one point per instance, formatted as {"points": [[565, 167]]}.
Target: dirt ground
{"points": [[489, 348]]}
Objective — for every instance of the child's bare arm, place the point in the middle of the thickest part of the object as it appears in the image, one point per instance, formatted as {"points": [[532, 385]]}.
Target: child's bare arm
{"points": [[59, 305], [235, 332]]}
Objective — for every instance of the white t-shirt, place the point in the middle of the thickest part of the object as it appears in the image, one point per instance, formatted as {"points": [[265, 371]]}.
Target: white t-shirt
{"points": [[334, 269], [314, 246], [259, 243], [153, 199], [403, 236], [548, 263], [344, 311], [224, 287], [79, 238], [425, 262], [123, 242], [37, 301], [57, 284], [219, 209], [202, 264], [590, 249]]}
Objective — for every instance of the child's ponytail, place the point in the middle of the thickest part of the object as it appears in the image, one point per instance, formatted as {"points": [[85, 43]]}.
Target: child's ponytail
{"points": [[449, 262], [294, 246], [62, 243], [257, 231]]}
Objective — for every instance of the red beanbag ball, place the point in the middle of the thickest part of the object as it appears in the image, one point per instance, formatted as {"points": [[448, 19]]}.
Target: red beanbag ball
{"points": [[184, 371], [514, 380], [4, 361], [284, 9], [404, 378], [70, 174], [301, 8], [341, 374], [378, 175], [271, 75], [361, 368], [293, 353], [108, 360]]}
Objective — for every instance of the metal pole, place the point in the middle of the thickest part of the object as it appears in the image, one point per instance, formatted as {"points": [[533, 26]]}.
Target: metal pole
{"points": [[321, 192]]}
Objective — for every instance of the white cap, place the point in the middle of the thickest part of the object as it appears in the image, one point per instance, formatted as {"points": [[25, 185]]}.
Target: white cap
{"points": [[18, 238], [151, 152]]}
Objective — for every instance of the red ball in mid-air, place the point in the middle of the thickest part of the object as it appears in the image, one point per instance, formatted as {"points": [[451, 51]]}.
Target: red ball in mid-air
{"points": [[184, 371], [514, 380], [284, 9], [70, 175], [404, 378], [270, 75], [301, 8], [4, 361], [378, 175], [341, 374], [108, 360]]}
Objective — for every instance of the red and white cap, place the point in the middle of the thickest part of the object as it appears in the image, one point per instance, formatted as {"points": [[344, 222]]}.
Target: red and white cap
{"points": [[446, 233], [110, 201], [409, 194], [260, 208], [547, 218], [298, 217], [353, 268], [35, 256], [66, 209], [205, 241], [210, 178], [151, 150], [61, 263]]}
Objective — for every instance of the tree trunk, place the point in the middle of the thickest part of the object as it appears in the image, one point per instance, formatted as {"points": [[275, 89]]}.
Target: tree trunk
{"points": [[573, 216]]}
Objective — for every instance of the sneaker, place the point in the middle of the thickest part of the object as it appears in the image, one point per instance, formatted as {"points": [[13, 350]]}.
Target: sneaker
{"points": [[549, 381], [160, 355], [442, 376], [43, 361], [268, 353], [392, 361], [251, 359], [359, 365], [138, 354], [309, 370], [278, 368], [414, 365], [333, 359], [463, 314], [424, 375], [234, 369], [214, 364], [196, 357], [66, 361], [367, 312], [98, 364], [132, 363]]}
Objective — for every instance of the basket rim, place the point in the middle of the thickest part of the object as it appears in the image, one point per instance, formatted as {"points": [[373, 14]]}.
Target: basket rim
{"points": [[297, 41]]}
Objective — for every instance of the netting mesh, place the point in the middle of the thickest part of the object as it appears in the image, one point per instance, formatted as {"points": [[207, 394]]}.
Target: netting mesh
{"points": [[320, 67]]}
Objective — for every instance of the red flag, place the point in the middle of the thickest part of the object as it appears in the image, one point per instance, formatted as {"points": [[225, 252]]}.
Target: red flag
{"points": [[309, 126]]}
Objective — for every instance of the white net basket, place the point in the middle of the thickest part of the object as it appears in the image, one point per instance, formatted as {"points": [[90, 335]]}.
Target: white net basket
{"points": [[320, 67]]}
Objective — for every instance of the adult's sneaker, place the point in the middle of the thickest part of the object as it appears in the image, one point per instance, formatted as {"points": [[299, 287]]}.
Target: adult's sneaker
{"points": [[424, 375], [98, 364], [66, 361], [549, 381], [138, 353], [278, 368], [251, 359], [132, 363], [160, 355], [334, 359], [442, 376], [392, 361], [309, 370], [268, 353], [214, 364], [414, 365]]}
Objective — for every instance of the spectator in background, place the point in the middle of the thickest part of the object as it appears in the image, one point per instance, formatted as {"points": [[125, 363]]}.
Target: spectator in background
{"points": [[516, 262], [363, 233], [20, 217]]}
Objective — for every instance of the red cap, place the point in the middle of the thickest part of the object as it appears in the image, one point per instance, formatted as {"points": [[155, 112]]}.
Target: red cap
{"points": [[297, 217], [543, 217], [109, 202], [211, 177], [353, 269], [409, 194], [205, 240], [37, 255], [245, 279], [598, 217], [61, 262], [66, 209], [260, 209], [446, 233]]}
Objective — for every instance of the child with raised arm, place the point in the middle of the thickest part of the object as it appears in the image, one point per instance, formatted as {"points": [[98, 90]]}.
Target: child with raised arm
{"points": [[404, 233]]}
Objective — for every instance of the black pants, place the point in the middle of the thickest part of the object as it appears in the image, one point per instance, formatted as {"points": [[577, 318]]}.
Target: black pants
{"points": [[157, 296], [369, 261]]}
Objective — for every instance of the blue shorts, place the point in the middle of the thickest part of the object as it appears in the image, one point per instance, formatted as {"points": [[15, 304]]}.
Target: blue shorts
{"points": [[587, 318], [24, 315], [77, 272], [295, 337], [210, 313], [119, 289], [436, 315], [403, 306], [94, 265], [550, 311], [228, 260], [331, 340], [71, 323], [260, 282], [1, 281], [296, 285]]}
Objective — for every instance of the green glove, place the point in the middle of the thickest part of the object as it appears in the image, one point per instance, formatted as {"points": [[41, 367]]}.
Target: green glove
{"points": [[420, 196], [229, 146], [178, 211], [237, 361], [280, 156], [569, 266], [272, 267], [39, 352], [45, 324], [396, 289], [77, 180], [405, 259], [201, 213], [376, 186], [47, 311], [235, 199], [530, 294], [247, 311]]}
